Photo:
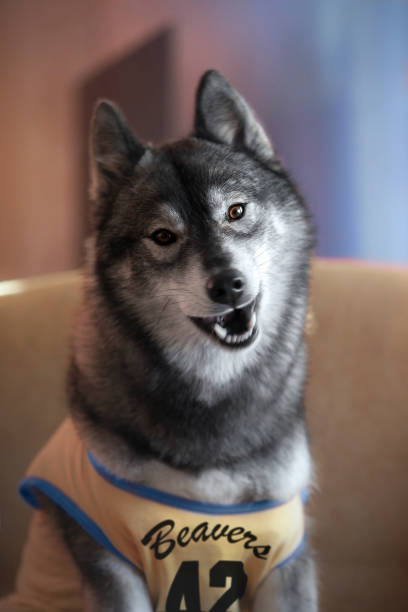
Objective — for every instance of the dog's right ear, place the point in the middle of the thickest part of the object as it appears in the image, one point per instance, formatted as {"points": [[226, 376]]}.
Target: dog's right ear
{"points": [[222, 115], [114, 150]]}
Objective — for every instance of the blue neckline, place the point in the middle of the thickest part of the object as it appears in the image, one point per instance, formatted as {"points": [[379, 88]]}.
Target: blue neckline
{"points": [[183, 503]]}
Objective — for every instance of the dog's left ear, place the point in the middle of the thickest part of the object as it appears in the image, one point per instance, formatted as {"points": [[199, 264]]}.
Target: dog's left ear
{"points": [[223, 116], [114, 149]]}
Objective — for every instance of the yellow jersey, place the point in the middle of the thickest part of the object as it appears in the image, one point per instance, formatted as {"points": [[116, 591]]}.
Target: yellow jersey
{"points": [[195, 556]]}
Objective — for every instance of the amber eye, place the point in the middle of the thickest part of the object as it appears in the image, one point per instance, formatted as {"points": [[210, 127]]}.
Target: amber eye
{"points": [[236, 211], [163, 237]]}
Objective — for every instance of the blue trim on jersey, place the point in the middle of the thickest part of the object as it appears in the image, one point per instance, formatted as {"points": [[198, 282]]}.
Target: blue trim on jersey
{"points": [[298, 550], [176, 501], [28, 490]]}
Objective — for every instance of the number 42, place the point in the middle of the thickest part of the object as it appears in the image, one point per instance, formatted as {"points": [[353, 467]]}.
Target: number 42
{"points": [[186, 584]]}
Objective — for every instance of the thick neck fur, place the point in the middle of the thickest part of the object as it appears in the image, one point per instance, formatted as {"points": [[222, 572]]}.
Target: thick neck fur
{"points": [[132, 404]]}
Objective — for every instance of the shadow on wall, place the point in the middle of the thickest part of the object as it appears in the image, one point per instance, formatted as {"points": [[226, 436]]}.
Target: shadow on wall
{"points": [[142, 84]]}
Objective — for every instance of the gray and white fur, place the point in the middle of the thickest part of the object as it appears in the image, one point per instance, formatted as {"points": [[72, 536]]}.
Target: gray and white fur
{"points": [[157, 393]]}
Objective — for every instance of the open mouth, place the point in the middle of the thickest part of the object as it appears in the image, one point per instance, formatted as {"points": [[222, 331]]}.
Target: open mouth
{"points": [[234, 329]]}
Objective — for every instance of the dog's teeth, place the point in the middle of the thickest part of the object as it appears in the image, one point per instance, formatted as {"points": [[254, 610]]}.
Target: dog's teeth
{"points": [[220, 331], [228, 339], [252, 321]]}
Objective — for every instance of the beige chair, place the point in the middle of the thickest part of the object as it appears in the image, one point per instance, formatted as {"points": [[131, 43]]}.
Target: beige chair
{"points": [[358, 412]]}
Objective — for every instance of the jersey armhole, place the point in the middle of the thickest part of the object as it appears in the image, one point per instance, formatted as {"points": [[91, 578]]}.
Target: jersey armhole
{"points": [[296, 553], [31, 486]]}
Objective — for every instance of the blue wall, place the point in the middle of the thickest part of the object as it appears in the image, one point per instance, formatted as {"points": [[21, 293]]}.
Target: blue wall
{"points": [[336, 74]]}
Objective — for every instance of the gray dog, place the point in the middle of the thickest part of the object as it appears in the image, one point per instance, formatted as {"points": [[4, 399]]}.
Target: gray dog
{"points": [[180, 478]]}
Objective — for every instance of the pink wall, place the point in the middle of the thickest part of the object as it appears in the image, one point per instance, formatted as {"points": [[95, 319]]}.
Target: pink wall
{"points": [[47, 48]]}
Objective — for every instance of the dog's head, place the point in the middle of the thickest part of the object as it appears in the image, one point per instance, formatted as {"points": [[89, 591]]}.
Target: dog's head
{"points": [[200, 243]]}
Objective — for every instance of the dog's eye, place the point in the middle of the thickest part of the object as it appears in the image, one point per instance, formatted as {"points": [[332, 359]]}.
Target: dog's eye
{"points": [[236, 211], [163, 237]]}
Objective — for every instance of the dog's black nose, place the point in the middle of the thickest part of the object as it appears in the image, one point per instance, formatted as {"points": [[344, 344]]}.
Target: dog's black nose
{"points": [[226, 287]]}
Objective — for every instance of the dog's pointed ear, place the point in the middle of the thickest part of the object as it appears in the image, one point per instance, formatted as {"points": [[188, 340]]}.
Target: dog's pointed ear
{"points": [[114, 149], [222, 115]]}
